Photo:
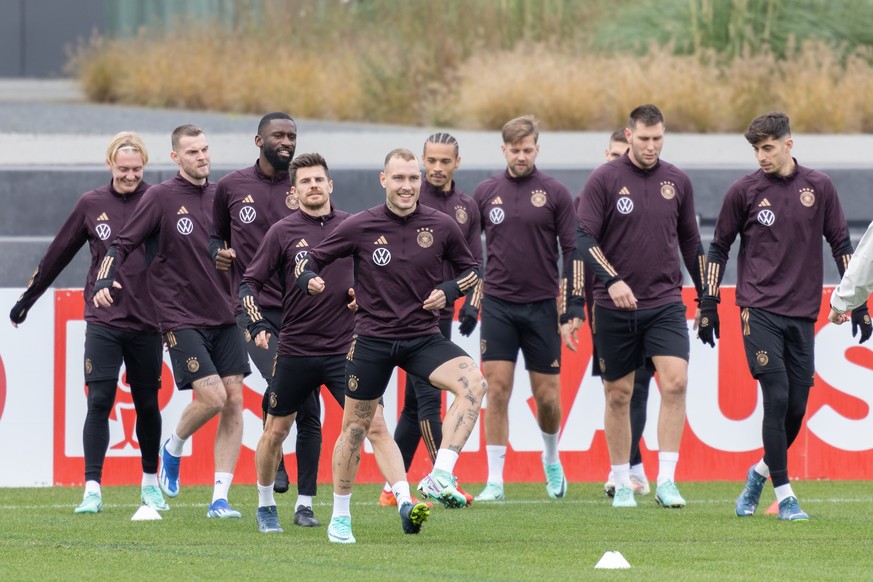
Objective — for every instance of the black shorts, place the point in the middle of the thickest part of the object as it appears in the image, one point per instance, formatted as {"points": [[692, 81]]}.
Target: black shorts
{"points": [[624, 339], [207, 351], [533, 327], [775, 343], [297, 377], [371, 361], [106, 347], [263, 359], [421, 399]]}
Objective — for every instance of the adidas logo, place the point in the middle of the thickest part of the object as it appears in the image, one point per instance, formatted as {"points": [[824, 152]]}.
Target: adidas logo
{"points": [[497, 200], [302, 243], [624, 191], [381, 241], [248, 200], [183, 210], [763, 203], [103, 216], [556, 364]]}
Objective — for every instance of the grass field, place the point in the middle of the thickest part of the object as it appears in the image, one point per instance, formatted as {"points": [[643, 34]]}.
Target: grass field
{"points": [[529, 537]]}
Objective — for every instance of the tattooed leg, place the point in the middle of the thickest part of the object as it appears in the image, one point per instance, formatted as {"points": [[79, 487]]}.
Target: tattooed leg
{"points": [[357, 417], [462, 378]]}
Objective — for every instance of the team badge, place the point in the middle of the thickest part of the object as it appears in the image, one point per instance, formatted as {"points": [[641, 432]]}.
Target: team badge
{"points": [[762, 359], [248, 335], [382, 256], [496, 215], [300, 256], [807, 197], [624, 205], [766, 217], [602, 363], [538, 198], [425, 238], [461, 214], [867, 319], [704, 322], [103, 230], [89, 367], [185, 226], [193, 364], [482, 346], [247, 214], [668, 190], [291, 201], [353, 383], [274, 400]]}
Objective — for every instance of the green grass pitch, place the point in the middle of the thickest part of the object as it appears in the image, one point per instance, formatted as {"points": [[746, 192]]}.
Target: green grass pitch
{"points": [[528, 537]]}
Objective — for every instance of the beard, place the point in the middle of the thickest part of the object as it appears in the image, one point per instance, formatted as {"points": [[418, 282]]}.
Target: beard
{"points": [[274, 159]]}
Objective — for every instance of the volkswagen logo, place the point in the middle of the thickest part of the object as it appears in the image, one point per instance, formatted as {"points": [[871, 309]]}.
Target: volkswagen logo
{"points": [[103, 231], [496, 215], [247, 214], [185, 226], [624, 205], [381, 256], [766, 217], [300, 256]]}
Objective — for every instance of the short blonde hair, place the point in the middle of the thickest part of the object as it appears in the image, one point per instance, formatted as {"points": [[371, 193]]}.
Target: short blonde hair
{"points": [[127, 140]]}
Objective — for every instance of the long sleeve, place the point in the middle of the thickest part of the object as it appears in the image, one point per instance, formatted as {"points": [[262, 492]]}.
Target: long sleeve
{"points": [[857, 282]]}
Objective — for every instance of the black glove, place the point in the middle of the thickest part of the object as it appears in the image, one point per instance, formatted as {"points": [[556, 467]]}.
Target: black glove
{"points": [[861, 318], [709, 326], [469, 317], [19, 312]]}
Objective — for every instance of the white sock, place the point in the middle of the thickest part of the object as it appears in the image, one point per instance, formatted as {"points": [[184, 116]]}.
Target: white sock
{"points": [[667, 467], [175, 445], [550, 449], [304, 500], [784, 492], [222, 486], [496, 457], [445, 461], [401, 493], [639, 472], [621, 474], [92, 487], [265, 495], [762, 469], [386, 487], [149, 479], [341, 505]]}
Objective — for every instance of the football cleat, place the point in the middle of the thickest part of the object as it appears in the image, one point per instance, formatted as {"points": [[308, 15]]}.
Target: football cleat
{"points": [[281, 484], [640, 485], [222, 510], [441, 489], [556, 483], [789, 510], [667, 496], [748, 500], [340, 530], [304, 517], [168, 477], [387, 499], [466, 495], [492, 492], [268, 520], [609, 486], [91, 503], [412, 516], [151, 496], [624, 497]]}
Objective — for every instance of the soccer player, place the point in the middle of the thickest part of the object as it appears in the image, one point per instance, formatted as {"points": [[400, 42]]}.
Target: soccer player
{"points": [[856, 284], [315, 336], [420, 418], [636, 214], [642, 376], [247, 203], [129, 333], [781, 211], [399, 249], [527, 217], [173, 221]]}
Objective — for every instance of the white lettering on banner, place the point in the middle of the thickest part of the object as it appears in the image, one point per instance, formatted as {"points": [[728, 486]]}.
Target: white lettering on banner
{"points": [[26, 419], [831, 344], [122, 435], [702, 410]]}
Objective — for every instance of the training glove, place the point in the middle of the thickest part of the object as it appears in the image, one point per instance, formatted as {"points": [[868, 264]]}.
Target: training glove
{"points": [[469, 317], [861, 319], [709, 325]]}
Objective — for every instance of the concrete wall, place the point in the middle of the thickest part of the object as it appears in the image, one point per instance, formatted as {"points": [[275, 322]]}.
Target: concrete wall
{"points": [[36, 202]]}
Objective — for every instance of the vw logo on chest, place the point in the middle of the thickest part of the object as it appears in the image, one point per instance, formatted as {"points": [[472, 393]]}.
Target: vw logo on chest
{"points": [[247, 214], [185, 226], [103, 230], [624, 205], [766, 217], [496, 215], [381, 256]]}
